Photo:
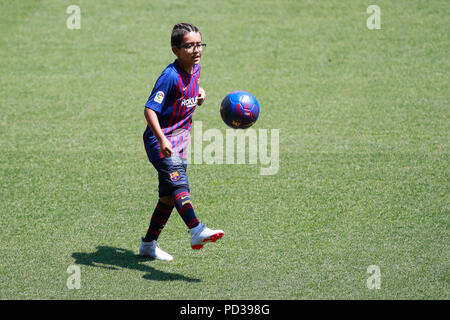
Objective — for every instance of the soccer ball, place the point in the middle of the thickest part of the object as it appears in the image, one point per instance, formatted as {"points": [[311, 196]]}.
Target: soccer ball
{"points": [[239, 109]]}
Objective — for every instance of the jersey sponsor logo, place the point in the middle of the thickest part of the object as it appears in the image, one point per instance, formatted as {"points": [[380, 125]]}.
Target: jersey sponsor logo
{"points": [[159, 97], [191, 102]]}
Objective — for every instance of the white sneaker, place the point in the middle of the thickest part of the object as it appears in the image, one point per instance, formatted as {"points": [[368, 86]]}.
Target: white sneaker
{"points": [[201, 234], [151, 249]]}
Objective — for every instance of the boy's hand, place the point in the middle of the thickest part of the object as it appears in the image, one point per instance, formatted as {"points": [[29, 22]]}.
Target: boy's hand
{"points": [[166, 148], [201, 96]]}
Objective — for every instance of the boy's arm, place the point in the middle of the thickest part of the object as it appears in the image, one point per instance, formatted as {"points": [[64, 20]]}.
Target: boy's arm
{"points": [[201, 96], [153, 124]]}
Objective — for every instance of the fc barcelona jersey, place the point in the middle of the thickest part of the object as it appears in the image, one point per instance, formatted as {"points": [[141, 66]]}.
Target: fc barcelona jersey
{"points": [[174, 99]]}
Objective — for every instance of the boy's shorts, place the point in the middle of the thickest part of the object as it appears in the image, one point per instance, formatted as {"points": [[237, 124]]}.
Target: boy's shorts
{"points": [[171, 174]]}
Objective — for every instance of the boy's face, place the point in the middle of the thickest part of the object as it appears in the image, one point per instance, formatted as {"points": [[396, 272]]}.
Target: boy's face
{"points": [[190, 50]]}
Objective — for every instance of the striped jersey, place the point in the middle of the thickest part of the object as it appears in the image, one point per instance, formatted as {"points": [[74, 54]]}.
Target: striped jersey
{"points": [[174, 99]]}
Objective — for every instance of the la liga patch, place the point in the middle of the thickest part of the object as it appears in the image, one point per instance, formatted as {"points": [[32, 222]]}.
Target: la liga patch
{"points": [[159, 97]]}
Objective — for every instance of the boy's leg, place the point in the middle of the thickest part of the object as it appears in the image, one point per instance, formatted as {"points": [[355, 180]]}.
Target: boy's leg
{"points": [[200, 234], [167, 200], [149, 246], [158, 221], [174, 188], [182, 200], [173, 177]]}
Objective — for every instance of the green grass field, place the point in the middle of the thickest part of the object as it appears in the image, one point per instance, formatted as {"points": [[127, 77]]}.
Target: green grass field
{"points": [[363, 117]]}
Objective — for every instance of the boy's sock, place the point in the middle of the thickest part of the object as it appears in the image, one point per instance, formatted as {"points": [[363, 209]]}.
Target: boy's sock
{"points": [[182, 200], [158, 221]]}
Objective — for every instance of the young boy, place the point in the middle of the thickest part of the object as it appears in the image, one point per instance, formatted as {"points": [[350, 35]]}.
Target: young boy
{"points": [[169, 112]]}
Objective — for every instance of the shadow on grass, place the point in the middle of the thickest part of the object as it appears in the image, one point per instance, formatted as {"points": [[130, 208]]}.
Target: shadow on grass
{"points": [[117, 258]]}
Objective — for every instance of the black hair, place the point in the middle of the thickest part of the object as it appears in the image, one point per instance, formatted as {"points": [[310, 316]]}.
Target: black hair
{"points": [[178, 32]]}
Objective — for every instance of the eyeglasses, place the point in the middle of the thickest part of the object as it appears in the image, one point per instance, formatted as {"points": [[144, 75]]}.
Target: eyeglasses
{"points": [[191, 46]]}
